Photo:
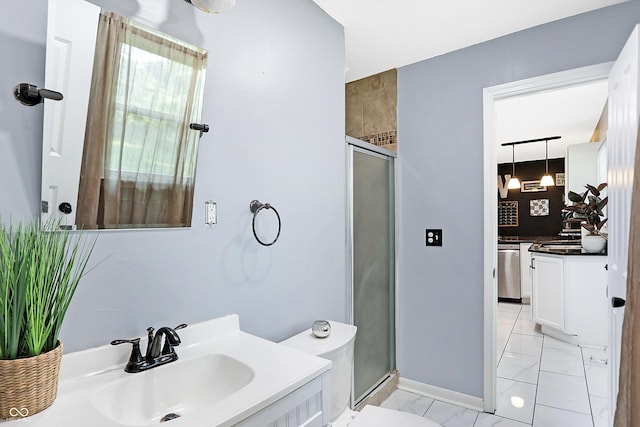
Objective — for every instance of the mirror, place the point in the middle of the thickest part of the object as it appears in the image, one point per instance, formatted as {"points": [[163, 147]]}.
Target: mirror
{"points": [[120, 150]]}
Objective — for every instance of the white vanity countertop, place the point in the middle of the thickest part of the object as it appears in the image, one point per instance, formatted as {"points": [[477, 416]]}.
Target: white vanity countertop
{"points": [[278, 371]]}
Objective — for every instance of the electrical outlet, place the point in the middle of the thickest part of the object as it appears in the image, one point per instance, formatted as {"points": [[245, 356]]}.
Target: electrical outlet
{"points": [[210, 213], [433, 237]]}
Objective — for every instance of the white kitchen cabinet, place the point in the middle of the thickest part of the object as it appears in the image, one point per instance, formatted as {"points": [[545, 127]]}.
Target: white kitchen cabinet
{"points": [[581, 167], [548, 291], [569, 297], [525, 272], [587, 299]]}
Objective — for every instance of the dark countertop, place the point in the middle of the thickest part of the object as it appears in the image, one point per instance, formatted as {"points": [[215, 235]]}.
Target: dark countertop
{"points": [[528, 239], [551, 250], [539, 241]]}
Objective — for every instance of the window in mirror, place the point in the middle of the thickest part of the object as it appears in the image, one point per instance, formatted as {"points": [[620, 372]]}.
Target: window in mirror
{"points": [[139, 157]]}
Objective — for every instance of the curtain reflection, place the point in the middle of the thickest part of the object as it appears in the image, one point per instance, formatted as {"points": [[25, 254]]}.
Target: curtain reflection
{"points": [[139, 156]]}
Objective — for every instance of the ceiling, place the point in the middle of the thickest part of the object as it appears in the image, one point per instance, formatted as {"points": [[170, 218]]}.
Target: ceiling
{"points": [[385, 34], [571, 113]]}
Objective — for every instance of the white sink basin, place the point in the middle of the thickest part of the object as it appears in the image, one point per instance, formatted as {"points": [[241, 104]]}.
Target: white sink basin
{"points": [[223, 376], [182, 388]]}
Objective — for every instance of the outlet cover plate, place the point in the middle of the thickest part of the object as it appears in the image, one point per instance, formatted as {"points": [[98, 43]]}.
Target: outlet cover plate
{"points": [[433, 237]]}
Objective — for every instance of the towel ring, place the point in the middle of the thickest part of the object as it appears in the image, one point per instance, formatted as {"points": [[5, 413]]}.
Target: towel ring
{"points": [[255, 207]]}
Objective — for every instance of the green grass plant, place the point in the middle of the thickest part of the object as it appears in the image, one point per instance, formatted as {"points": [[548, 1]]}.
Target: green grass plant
{"points": [[39, 274]]}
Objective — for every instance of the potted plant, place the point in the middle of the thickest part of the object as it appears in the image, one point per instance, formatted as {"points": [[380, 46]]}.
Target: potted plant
{"points": [[587, 210], [39, 273]]}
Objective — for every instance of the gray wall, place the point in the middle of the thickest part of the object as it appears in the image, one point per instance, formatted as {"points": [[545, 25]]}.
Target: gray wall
{"points": [[274, 98], [440, 328]]}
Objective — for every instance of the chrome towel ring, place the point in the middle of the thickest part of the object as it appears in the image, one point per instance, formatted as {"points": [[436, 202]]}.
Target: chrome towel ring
{"points": [[255, 207]]}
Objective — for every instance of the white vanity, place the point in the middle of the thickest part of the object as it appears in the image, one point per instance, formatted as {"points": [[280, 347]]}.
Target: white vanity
{"points": [[569, 295], [223, 377]]}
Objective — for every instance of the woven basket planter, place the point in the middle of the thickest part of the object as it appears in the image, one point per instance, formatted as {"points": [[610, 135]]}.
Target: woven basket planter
{"points": [[29, 385]]}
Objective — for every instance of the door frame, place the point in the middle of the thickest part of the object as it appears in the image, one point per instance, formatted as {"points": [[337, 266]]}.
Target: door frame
{"points": [[492, 94], [354, 144]]}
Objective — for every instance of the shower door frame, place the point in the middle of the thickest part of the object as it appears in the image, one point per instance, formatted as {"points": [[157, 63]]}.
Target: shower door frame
{"points": [[353, 144]]}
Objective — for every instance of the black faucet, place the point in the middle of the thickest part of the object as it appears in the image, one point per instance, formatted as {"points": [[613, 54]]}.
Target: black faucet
{"points": [[171, 339], [159, 349]]}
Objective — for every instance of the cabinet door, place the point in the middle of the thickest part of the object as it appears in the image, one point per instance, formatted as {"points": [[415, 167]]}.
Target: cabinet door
{"points": [[548, 291], [525, 273], [587, 304]]}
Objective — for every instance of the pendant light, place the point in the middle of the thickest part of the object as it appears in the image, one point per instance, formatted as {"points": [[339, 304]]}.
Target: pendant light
{"points": [[514, 182], [547, 179]]}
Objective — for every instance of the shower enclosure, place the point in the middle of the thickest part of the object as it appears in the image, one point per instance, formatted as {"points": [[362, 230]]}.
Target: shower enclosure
{"points": [[372, 250]]}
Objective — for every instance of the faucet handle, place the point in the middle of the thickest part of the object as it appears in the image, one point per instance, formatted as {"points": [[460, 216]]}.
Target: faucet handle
{"points": [[135, 359], [133, 341], [180, 326]]}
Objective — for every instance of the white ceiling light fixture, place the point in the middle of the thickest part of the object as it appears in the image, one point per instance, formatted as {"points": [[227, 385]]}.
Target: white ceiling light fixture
{"points": [[213, 6], [514, 182], [547, 179]]}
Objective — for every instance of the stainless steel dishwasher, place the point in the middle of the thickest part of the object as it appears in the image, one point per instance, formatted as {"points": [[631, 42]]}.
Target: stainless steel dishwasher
{"points": [[509, 272]]}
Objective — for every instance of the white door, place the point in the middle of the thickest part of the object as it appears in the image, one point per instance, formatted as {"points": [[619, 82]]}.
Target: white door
{"points": [[621, 139], [69, 67]]}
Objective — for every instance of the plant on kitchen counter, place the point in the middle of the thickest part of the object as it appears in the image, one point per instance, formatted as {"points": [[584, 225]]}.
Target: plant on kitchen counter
{"points": [[587, 209]]}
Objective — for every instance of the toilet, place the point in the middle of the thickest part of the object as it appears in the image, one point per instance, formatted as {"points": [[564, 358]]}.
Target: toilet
{"points": [[338, 347]]}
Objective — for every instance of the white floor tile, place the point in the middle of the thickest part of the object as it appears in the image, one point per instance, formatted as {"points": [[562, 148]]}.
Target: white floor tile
{"points": [[524, 344], [503, 331], [563, 392], [545, 381], [519, 367], [546, 416], [556, 343], [506, 323], [525, 312], [507, 317], [526, 327], [405, 401], [488, 420], [562, 360], [500, 346], [597, 380], [509, 306], [600, 411], [515, 400], [449, 415]]}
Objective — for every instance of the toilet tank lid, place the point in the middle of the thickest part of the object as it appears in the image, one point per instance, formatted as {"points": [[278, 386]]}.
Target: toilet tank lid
{"points": [[341, 335]]}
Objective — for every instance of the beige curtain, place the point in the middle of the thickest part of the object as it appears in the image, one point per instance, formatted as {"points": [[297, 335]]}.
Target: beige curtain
{"points": [[628, 405], [139, 155]]}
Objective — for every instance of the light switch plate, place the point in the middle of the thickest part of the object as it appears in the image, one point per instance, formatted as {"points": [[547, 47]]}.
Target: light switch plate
{"points": [[433, 237]]}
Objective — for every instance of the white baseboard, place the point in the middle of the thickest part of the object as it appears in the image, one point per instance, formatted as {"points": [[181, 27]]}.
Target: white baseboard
{"points": [[442, 394]]}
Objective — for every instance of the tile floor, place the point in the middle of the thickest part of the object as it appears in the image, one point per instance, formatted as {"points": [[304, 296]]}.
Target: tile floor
{"points": [[542, 382]]}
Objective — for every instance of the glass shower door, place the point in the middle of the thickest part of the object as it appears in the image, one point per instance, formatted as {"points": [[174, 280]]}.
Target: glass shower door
{"points": [[373, 268]]}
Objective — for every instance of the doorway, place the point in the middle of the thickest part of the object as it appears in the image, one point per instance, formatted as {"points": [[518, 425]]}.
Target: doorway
{"points": [[372, 276], [491, 96]]}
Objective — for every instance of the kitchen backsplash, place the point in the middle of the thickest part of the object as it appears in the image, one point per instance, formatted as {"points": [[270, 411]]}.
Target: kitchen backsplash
{"points": [[531, 210]]}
